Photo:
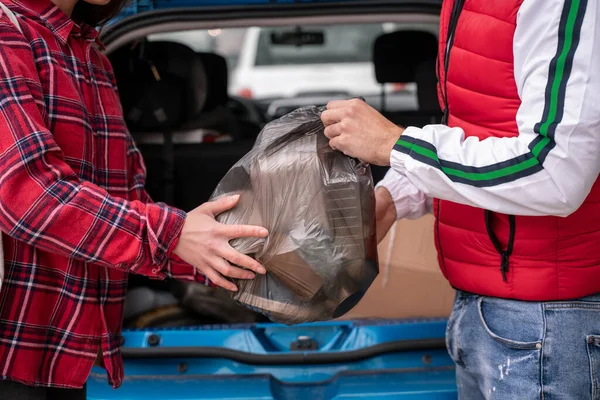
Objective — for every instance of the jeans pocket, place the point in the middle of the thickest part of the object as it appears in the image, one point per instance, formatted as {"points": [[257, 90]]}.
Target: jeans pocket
{"points": [[519, 340], [593, 346]]}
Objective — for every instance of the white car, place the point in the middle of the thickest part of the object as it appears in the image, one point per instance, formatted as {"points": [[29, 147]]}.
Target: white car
{"points": [[340, 66]]}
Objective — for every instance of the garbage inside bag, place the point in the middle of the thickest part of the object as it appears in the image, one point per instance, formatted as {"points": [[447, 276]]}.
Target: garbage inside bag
{"points": [[319, 207]]}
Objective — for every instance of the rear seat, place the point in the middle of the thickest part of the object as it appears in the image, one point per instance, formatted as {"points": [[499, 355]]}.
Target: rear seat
{"points": [[203, 165], [408, 56], [197, 84], [215, 115], [162, 85]]}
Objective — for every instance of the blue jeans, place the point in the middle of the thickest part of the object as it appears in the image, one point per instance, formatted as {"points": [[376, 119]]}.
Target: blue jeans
{"points": [[505, 349]]}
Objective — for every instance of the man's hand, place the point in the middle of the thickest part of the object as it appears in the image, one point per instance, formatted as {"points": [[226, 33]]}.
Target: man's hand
{"points": [[204, 243], [385, 212], [359, 131]]}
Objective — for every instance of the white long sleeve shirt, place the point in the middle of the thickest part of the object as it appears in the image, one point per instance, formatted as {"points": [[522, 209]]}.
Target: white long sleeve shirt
{"points": [[549, 169]]}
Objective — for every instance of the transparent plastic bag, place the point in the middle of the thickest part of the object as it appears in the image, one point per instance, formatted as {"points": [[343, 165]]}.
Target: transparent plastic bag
{"points": [[319, 207]]}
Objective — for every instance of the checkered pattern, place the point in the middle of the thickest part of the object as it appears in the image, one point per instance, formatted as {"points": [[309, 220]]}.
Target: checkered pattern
{"points": [[75, 216]]}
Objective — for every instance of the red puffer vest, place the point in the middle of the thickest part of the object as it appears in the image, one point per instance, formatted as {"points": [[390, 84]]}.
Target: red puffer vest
{"points": [[548, 258]]}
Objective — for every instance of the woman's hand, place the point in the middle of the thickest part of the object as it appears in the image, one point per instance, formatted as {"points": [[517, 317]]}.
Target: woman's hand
{"points": [[385, 212], [204, 243]]}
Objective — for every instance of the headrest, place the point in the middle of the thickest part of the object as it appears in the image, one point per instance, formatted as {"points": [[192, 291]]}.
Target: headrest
{"points": [[397, 56], [217, 82], [162, 85], [409, 56]]}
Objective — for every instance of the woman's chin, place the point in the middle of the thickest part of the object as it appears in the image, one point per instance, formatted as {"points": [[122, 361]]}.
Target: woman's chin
{"points": [[97, 2]]}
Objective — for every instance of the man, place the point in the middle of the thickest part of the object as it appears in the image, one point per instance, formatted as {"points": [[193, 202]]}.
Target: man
{"points": [[514, 174]]}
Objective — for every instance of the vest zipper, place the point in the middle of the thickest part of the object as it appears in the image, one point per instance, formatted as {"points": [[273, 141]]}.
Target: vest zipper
{"points": [[456, 10], [504, 254], [454, 16]]}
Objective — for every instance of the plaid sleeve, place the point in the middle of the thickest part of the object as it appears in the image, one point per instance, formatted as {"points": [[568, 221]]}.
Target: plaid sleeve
{"points": [[43, 202]]}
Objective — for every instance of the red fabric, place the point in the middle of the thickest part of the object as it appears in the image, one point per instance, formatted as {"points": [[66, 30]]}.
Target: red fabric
{"points": [[75, 216], [554, 258]]}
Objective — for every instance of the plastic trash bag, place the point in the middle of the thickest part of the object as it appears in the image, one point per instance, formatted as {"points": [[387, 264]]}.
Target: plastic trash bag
{"points": [[319, 207]]}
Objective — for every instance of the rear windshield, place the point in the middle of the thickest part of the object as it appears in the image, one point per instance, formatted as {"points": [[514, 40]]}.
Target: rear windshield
{"points": [[342, 44]]}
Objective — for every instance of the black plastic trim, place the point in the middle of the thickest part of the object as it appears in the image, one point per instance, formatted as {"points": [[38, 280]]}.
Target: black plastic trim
{"points": [[285, 359]]}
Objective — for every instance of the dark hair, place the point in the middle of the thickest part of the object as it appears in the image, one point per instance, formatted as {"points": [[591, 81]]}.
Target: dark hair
{"points": [[95, 15]]}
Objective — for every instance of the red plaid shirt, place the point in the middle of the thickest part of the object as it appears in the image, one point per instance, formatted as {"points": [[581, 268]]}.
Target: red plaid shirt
{"points": [[73, 210]]}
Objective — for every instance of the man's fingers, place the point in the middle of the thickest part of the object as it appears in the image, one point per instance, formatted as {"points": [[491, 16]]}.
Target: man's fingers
{"points": [[337, 143], [332, 116], [240, 231], [226, 269], [335, 104], [217, 279], [332, 131], [332, 144], [237, 258], [222, 204]]}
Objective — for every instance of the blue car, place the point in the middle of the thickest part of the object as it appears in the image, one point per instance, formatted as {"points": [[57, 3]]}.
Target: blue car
{"points": [[198, 81]]}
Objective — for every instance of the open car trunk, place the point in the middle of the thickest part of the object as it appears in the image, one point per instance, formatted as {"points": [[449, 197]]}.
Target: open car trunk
{"points": [[187, 341], [334, 360]]}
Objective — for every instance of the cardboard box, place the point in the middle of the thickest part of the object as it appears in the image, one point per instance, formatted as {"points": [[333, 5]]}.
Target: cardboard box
{"points": [[410, 283]]}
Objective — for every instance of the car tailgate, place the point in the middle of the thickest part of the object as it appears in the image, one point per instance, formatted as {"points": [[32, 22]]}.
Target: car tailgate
{"points": [[333, 360]]}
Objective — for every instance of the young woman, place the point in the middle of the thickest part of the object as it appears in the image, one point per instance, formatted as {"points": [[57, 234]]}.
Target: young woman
{"points": [[74, 216]]}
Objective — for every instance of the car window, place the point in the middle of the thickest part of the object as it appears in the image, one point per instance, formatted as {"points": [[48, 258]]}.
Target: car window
{"points": [[342, 44], [291, 78]]}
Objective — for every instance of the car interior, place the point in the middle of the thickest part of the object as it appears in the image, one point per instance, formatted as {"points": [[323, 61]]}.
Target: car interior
{"points": [[191, 130]]}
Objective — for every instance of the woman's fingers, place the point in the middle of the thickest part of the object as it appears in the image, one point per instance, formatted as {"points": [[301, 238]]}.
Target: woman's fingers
{"points": [[216, 278], [226, 269], [241, 231], [236, 258], [220, 205], [219, 268]]}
